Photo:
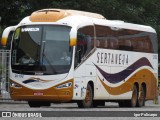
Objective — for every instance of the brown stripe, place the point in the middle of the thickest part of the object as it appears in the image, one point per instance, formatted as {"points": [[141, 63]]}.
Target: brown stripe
{"points": [[142, 76]]}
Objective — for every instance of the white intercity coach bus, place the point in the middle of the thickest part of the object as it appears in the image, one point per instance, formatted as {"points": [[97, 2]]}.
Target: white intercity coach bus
{"points": [[74, 56]]}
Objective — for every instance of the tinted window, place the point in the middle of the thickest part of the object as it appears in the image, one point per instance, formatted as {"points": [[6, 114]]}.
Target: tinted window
{"points": [[85, 42], [41, 48], [125, 39]]}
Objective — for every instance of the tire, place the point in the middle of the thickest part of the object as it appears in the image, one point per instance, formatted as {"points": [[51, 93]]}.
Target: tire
{"points": [[133, 101], [88, 101], [141, 97]]}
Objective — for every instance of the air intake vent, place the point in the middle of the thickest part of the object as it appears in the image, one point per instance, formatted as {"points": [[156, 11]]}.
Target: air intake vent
{"points": [[48, 15], [53, 15], [48, 10]]}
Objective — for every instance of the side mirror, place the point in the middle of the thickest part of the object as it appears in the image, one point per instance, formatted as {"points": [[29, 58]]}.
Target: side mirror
{"points": [[73, 37], [6, 34]]}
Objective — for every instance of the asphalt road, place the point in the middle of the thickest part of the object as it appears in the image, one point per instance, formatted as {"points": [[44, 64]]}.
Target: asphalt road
{"points": [[68, 111]]}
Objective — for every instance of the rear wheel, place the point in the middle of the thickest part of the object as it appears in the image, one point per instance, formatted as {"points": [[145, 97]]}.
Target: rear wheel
{"points": [[133, 101], [141, 98], [88, 101]]}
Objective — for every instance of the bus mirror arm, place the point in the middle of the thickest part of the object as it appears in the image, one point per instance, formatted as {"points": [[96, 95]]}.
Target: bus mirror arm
{"points": [[6, 34]]}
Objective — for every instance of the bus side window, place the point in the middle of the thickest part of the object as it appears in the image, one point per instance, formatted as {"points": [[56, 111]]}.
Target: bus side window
{"points": [[77, 56], [106, 44], [89, 43], [85, 43], [97, 43], [146, 46], [139, 46], [128, 45]]}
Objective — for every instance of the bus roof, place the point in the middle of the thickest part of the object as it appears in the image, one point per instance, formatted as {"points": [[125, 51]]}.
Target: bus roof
{"points": [[81, 17], [53, 15]]}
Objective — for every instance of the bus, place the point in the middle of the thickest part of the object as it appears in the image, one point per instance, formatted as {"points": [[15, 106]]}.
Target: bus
{"points": [[60, 56]]}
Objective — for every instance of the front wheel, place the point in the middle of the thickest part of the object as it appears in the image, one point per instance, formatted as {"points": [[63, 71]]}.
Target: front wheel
{"points": [[88, 101]]}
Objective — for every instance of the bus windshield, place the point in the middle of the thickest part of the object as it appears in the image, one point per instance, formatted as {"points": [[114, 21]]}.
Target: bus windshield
{"points": [[41, 49]]}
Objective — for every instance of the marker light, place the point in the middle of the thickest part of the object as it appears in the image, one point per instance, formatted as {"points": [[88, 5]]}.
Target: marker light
{"points": [[15, 85]]}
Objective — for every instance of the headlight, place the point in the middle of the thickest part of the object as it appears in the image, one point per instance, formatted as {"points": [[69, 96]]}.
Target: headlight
{"points": [[66, 85], [15, 85]]}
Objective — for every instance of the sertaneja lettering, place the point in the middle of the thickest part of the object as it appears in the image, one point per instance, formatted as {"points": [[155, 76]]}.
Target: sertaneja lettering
{"points": [[111, 58]]}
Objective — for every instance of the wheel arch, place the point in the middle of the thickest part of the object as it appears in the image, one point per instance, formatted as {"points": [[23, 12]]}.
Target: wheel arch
{"points": [[137, 85], [91, 83], [145, 87]]}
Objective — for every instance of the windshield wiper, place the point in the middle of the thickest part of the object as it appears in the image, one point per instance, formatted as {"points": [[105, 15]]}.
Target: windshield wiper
{"points": [[43, 48]]}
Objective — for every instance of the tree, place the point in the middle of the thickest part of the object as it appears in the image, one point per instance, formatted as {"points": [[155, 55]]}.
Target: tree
{"points": [[135, 11]]}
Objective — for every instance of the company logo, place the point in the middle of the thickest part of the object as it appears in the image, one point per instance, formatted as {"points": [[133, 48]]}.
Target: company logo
{"points": [[6, 114], [112, 58], [29, 29]]}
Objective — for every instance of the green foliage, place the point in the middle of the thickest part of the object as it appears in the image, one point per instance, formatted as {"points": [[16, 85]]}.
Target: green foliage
{"points": [[136, 11]]}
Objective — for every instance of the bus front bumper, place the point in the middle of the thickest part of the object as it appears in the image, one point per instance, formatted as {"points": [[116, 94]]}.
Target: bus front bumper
{"points": [[52, 94]]}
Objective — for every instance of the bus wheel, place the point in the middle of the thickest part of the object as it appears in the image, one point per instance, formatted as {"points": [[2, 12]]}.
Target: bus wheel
{"points": [[88, 101], [133, 101], [141, 98], [34, 104]]}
